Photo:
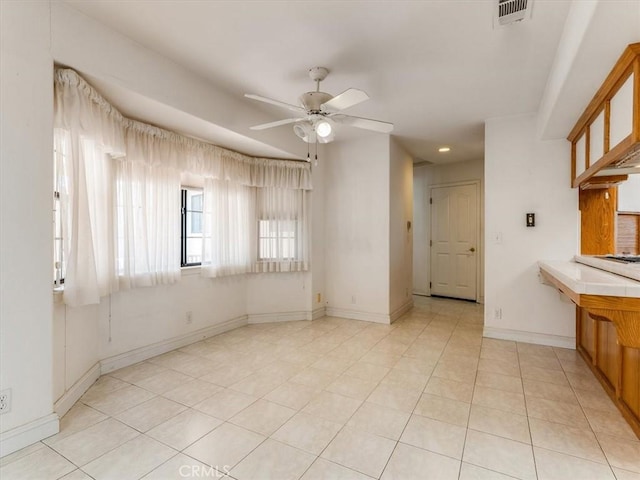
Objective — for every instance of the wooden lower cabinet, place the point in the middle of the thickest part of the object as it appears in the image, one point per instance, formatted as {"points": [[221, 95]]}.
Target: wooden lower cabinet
{"points": [[617, 367]]}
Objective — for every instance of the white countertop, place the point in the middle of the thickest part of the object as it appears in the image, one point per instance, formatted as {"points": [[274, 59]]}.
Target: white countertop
{"points": [[591, 281], [630, 270]]}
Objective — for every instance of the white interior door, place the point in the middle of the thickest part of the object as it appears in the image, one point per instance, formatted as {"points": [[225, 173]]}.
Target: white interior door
{"points": [[454, 241]]}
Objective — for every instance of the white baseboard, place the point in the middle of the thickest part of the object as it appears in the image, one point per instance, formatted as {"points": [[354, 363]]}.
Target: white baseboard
{"points": [[318, 313], [32, 432], [530, 337], [71, 396], [139, 354], [404, 308], [278, 317], [422, 293], [358, 315]]}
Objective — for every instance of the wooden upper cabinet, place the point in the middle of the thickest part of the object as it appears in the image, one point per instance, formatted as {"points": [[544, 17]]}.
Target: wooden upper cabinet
{"points": [[608, 133]]}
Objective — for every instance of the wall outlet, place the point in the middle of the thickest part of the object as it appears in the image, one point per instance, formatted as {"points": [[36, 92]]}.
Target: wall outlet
{"points": [[189, 318], [318, 297], [497, 313], [5, 401]]}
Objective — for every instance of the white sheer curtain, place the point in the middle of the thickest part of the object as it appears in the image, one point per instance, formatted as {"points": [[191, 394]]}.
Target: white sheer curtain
{"points": [[121, 189]]}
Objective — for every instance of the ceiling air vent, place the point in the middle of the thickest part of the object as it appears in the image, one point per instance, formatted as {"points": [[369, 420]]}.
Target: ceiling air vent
{"points": [[510, 11]]}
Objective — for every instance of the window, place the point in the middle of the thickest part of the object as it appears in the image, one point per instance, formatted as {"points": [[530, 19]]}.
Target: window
{"points": [[191, 221], [59, 189], [276, 240]]}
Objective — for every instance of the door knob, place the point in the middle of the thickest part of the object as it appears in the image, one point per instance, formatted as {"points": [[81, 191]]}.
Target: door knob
{"points": [[472, 249]]}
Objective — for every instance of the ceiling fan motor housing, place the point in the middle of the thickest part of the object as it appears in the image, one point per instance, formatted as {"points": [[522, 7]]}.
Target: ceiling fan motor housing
{"points": [[312, 101]]}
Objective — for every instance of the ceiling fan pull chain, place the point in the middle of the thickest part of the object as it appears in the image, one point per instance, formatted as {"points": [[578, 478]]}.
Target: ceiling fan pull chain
{"points": [[316, 162]]}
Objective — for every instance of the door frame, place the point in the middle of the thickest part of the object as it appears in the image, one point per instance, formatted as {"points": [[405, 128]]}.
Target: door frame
{"points": [[477, 184]]}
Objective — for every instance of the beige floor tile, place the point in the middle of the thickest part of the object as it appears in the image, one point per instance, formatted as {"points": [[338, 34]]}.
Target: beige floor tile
{"points": [[273, 460], [192, 392], [23, 452], [185, 428], [77, 418], [367, 371], [307, 433], [361, 451], [225, 446], [558, 412], [332, 407], [625, 474], [394, 397], [171, 359], [500, 454], [443, 409], [104, 384], [381, 421], [381, 358], [133, 459], [292, 395], [196, 366], [534, 349], [499, 382], [553, 465], [584, 381], [415, 365], [150, 413], [502, 367], [120, 400], [263, 417], [456, 373], [404, 379], [595, 400], [542, 361], [411, 463], [500, 423], [227, 375], [137, 372], [435, 436], [76, 475], [333, 363], [88, 444], [257, 384], [565, 439], [42, 463], [325, 470], [549, 391], [225, 404], [314, 377], [495, 343], [473, 472], [443, 387], [180, 467], [621, 453], [352, 387], [531, 372], [491, 353], [609, 423], [499, 399]]}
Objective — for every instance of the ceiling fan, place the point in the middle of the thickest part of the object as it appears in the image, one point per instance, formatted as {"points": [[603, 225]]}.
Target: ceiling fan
{"points": [[321, 112]]}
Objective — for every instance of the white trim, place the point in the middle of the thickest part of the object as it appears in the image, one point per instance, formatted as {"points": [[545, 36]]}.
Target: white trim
{"points": [[29, 433], [73, 394], [358, 315], [404, 308], [139, 354], [530, 337], [253, 318], [318, 313]]}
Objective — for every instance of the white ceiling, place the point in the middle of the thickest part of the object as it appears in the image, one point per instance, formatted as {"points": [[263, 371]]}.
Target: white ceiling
{"points": [[436, 69]]}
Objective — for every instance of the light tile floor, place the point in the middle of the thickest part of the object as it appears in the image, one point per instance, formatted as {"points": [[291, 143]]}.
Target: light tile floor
{"points": [[426, 397]]}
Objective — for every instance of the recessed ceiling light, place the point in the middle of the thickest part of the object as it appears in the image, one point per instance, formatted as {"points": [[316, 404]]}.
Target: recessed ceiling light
{"points": [[444, 149]]}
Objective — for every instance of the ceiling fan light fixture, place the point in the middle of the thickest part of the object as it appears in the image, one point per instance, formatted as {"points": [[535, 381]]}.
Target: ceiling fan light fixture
{"points": [[323, 129], [444, 149]]}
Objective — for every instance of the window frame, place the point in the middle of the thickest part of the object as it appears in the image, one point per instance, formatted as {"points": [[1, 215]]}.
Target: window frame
{"points": [[279, 239], [184, 214]]}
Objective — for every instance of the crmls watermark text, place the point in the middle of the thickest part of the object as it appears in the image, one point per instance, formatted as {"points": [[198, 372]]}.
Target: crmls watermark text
{"points": [[203, 471]]}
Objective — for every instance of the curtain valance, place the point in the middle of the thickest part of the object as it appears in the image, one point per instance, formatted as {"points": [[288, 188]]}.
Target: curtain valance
{"points": [[80, 108]]}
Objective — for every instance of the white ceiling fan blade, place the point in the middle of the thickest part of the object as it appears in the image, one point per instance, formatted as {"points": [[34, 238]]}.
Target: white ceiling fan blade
{"points": [[277, 123], [366, 123], [278, 103], [346, 99]]}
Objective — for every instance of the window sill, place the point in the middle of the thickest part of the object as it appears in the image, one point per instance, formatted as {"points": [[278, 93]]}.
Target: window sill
{"points": [[188, 271]]}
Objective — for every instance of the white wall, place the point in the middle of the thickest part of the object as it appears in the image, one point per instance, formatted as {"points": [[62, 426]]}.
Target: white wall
{"points": [[523, 174], [357, 228], [425, 177], [629, 194], [26, 178], [400, 236]]}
